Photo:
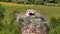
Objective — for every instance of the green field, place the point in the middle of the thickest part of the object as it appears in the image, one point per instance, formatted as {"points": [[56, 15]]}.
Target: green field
{"points": [[47, 11], [10, 8]]}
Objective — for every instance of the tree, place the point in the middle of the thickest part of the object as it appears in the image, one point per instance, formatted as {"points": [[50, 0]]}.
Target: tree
{"points": [[53, 1], [8, 0]]}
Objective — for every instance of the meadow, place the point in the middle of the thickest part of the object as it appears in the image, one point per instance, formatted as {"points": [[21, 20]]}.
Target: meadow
{"points": [[11, 27]]}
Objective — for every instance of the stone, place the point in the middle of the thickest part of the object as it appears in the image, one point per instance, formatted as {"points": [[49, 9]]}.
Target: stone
{"points": [[33, 23]]}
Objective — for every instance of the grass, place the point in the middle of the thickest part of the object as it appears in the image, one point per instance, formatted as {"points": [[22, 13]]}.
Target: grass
{"points": [[47, 11]]}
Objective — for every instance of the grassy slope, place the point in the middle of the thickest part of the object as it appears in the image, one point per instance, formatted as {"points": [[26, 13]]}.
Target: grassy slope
{"points": [[46, 10], [11, 7]]}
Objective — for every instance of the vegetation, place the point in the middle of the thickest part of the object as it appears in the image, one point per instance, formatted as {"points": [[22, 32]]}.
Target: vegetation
{"points": [[8, 24], [40, 2], [54, 24]]}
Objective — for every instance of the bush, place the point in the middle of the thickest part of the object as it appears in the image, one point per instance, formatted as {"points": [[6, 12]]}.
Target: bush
{"points": [[2, 10], [7, 22], [54, 24]]}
